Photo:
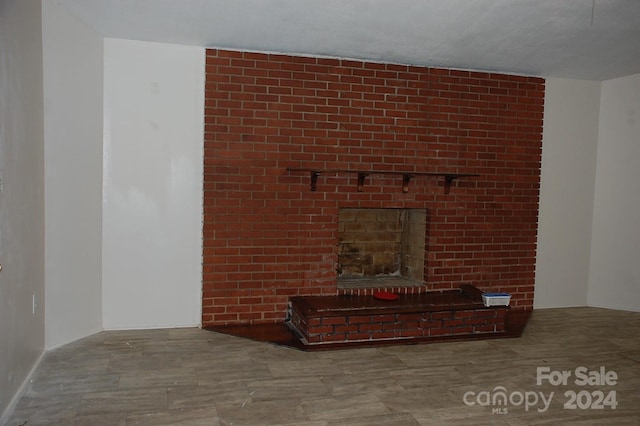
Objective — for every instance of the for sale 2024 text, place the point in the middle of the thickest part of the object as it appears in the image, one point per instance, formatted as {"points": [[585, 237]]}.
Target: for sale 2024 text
{"points": [[581, 376]]}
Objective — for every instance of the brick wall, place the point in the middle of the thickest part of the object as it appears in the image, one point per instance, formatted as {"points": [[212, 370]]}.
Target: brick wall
{"points": [[267, 237]]}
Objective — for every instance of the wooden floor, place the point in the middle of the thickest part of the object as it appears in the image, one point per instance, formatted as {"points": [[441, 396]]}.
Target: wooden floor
{"points": [[197, 377]]}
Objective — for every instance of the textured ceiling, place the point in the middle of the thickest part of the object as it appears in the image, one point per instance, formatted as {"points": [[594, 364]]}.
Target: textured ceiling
{"points": [[585, 39]]}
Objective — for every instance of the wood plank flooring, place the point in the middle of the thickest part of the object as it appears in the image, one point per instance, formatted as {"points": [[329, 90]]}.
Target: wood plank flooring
{"points": [[198, 377]]}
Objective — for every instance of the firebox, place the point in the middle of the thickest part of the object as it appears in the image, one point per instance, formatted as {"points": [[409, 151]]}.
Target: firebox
{"points": [[381, 247]]}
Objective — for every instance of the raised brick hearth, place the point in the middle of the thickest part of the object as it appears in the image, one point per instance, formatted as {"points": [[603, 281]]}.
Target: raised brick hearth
{"points": [[434, 315]]}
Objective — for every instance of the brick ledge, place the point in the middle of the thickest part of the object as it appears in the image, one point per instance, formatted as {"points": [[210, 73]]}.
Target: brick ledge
{"points": [[319, 320]]}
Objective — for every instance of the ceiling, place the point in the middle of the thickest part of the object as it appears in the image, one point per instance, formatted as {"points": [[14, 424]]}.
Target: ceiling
{"points": [[583, 39]]}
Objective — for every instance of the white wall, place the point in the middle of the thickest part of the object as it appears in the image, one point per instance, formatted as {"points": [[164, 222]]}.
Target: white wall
{"points": [[72, 56], [152, 209], [614, 274], [21, 195], [569, 144]]}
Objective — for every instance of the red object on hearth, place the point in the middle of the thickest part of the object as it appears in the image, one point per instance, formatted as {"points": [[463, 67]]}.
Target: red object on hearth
{"points": [[385, 295]]}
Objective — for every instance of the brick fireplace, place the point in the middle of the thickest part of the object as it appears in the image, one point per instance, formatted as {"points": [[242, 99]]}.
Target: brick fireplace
{"points": [[292, 142]]}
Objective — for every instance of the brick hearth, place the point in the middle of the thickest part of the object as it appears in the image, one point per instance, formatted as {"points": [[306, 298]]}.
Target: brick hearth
{"points": [[349, 319]]}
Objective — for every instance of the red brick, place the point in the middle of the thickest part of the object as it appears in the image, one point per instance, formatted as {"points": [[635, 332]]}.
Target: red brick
{"points": [[383, 318], [345, 328], [478, 321], [338, 337], [487, 313], [333, 321], [413, 333], [383, 335], [370, 327], [391, 326], [441, 315], [314, 339], [410, 317], [452, 323], [359, 320], [411, 324], [358, 336], [462, 330], [321, 329], [463, 314], [488, 328], [430, 324]]}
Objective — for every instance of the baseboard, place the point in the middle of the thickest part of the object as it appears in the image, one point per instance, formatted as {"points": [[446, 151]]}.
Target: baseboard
{"points": [[4, 419]]}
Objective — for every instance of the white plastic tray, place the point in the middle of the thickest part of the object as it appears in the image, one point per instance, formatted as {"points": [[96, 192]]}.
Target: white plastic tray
{"points": [[496, 299]]}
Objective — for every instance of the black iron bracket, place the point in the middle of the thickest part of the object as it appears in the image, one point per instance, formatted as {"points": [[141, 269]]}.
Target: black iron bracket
{"points": [[362, 175]]}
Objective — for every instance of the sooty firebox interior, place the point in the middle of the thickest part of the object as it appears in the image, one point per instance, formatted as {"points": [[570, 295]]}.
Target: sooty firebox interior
{"points": [[381, 247]]}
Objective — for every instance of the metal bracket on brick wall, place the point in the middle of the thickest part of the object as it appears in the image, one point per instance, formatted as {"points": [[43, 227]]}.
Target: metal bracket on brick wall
{"points": [[314, 179], [361, 177], [362, 174], [405, 182]]}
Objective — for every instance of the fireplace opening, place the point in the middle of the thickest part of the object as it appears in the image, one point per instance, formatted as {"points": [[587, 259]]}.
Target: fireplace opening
{"points": [[380, 248]]}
